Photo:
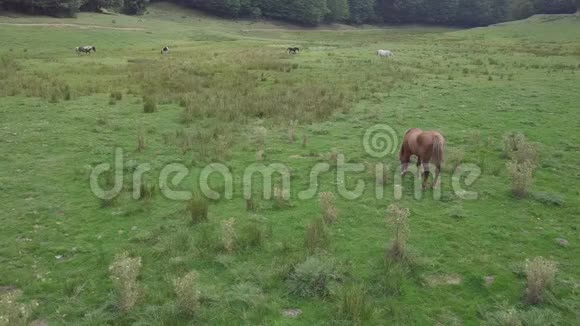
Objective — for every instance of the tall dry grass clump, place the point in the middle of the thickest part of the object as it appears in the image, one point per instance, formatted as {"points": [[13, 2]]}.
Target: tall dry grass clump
{"points": [[281, 197], [398, 218], [12, 311], [353, 305], [124, 272], [292, 131], [251, 205], [188, 293], [521, 175], [333, 157], [113, 98], [198, 209], [259, 137], [524, 159], [260, 155], [316, 236], [141, 140], [517, 148], [326, 203], [190, 112], [540, 274], [253, 233], [228, 235]]}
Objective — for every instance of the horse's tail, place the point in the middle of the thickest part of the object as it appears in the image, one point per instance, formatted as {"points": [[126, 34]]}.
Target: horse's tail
{"points": [[438, 147]]}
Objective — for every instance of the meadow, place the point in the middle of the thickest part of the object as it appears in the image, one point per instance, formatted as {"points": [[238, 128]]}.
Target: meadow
{"points": [[229, 93]]}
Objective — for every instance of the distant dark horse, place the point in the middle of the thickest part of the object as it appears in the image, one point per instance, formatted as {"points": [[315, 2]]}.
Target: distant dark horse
{"points": [[427, 146], [293, 50], [165, 50], [85, 49]]}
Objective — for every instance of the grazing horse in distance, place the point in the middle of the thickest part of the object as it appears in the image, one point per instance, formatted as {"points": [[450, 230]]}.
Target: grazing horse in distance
{"points": [[293, 50], [85, 49], [385, 53], [427, 146], [165, 50]]}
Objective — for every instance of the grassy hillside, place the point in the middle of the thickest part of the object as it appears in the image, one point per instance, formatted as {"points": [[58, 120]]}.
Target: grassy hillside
{"points": [[229, 93]]}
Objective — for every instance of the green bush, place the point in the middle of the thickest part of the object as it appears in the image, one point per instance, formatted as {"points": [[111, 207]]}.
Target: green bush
{"points": [[312, 278], [149, 104], [116, 95], [198, 208], [549, 198]]}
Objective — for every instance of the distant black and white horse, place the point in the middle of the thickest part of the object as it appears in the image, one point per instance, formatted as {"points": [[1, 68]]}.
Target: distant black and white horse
{"points": [[293, 50], [165, 50], [85, 49], [385, 53]]}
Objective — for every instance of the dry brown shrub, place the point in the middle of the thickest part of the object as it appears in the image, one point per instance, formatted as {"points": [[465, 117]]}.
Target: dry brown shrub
{"points": [[540, 274], [12, 311], [398, 218], [188, 293], [326, 203], [521, 175], [517, 148], [316, 236], [124, 271], [228, 234]]}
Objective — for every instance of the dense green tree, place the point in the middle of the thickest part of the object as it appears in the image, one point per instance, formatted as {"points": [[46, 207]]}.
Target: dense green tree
{"points": [[93, 5], [309, 12], [134, 7], [441, 12], [478, 12], [520, 9], [66, 8], [312, 12], [411, 10], [250, 8], [361, 11], [222, 7], [555, 6], [338, 10]]}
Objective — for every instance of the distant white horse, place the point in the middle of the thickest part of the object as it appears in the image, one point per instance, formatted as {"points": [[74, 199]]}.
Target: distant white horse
{"points": [[385, 53], [165, 50], [85, 49]]}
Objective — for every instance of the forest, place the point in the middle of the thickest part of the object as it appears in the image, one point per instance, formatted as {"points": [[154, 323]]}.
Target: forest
{"points": [[314, 12]]}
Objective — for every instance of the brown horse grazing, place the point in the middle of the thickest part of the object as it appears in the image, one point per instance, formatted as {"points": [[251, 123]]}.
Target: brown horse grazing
{"points": [[427, 146]]}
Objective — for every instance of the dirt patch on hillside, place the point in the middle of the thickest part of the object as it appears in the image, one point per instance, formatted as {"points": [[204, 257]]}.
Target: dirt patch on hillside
{"points": [[443, 279], [63, 25]]}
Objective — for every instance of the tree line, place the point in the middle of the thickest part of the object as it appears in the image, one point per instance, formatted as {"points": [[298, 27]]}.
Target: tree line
{"points": [[314, 12], [69, 8]]}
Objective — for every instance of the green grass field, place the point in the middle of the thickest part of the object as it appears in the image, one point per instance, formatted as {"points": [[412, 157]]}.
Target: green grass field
{"points": [[228, 93]]}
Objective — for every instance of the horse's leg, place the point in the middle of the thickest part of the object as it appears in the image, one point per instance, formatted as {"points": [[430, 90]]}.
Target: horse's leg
{"points": [[425, 174], [418, 166], [405, 160], [437, 172]]}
